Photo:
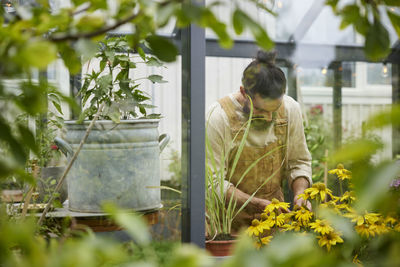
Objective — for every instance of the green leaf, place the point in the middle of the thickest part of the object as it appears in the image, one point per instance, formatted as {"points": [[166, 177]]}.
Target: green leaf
{"points": [[110, 54], [260, 35], [141, 53], [122, 75], [70, 58], [388, 117], [395, 20], [58, 107], [114, 116], [156, 78], [103, 64], [362, 25], [56, 102], [392, 2], [122, 58], [236, 21], [98, 4], [377, 42], [376, 181], [104, 83], [16, 147], [208, 19], [86, 48], [165, 12], [78, 2], [153, 62], [356, 151], [33, 98], [28, 138], [5, 169], [38, 54], [350, 14], [162, 48], [90, 22]]}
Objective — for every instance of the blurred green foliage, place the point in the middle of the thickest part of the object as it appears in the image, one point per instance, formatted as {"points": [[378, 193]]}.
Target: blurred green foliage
{"points": [[366, 19], [35, 36]]}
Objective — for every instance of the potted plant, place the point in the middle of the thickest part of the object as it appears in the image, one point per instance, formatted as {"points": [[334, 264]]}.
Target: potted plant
{"points": [[222, 209], [120, 159]]}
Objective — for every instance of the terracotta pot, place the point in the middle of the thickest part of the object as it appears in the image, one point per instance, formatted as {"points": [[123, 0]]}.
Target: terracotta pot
{"points": [[220, 247], [10, 196]]}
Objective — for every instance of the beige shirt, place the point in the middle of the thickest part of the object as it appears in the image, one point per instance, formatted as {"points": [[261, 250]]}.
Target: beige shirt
{"points": [[298, 160]]}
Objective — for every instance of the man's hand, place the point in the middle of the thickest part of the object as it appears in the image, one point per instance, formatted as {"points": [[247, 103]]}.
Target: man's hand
{"points": [[299, 185], [301, 202], [259, 204]]}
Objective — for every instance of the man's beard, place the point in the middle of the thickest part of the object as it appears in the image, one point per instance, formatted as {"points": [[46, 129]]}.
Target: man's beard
{"points": [[258, 123]]}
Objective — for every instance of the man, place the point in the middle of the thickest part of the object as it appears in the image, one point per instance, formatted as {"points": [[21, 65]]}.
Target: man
{"points": [[276, 130]]}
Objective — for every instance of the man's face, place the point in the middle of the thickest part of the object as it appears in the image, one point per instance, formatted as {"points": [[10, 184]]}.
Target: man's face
{"points": [[263, 108]]}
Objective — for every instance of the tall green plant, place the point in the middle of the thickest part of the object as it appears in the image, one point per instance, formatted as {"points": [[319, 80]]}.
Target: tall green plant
{"points": [[222, 209]]}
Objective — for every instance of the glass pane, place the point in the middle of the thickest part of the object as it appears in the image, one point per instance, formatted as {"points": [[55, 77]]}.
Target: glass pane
{"points": [[323, 77], [379, 74], [324, 29]]}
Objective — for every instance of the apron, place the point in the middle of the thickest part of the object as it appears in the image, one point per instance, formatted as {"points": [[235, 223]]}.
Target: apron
{"points": [[270, 166]]}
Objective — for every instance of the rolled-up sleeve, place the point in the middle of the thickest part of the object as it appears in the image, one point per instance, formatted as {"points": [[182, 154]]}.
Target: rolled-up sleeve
{"points": [[299, 158]]}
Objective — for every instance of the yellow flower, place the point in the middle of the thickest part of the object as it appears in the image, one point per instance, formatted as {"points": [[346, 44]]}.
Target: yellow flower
{"points": [[263, 241], [329, 239], [380, 227], [341, 172], [276, 220], [318, 190], [335, 199], [288, 216], [303, 215], [256, 228], [266, 240], [321, 226], [390, 220], [276, 205], [344, 206], [348, 197], [295, 226], [369, 218], [365, 230], [356, 261], [304, 196], [330, 205]]}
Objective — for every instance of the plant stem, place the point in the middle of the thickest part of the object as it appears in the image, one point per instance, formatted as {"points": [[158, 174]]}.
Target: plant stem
{"points": [[341, 187], [67, 169]]}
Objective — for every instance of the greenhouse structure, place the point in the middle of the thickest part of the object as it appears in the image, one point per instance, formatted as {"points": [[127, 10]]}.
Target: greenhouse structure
{"points": [[76, 74]]}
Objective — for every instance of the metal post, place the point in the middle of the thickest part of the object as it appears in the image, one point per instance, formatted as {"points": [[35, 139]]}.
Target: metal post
{"points": [[75, 85], [292, 81], [395, 101], [337, 104], [193, 135]]}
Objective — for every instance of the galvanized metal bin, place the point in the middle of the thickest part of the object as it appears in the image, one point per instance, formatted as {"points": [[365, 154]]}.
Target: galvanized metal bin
{"points": [[119, 163]]}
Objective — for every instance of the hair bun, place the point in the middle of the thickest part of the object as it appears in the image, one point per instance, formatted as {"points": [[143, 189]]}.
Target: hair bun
{"points": [[266, 57]]}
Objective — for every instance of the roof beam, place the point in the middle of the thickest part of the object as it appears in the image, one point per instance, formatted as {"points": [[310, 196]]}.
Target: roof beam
{"points": [[307, 21]]}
